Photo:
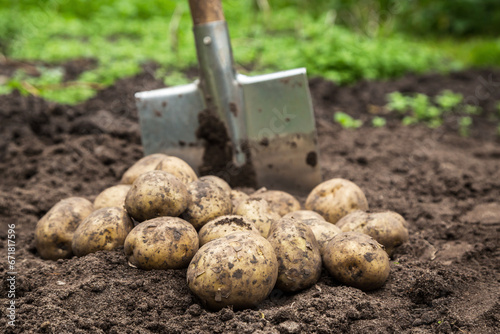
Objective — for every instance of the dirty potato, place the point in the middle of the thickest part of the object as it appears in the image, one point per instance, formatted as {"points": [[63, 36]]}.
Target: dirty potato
{"points": [[279, 201], [357, 260], [335, 198], [179, 168], [303, 215], [54, 231], [323, 231], [298, 254], [161, 243], [224, 225], [218, 181], [112, 196], [206, 202], [154, 194], [259, 213], [146, 164], [236, 198], [104, 229], [238, 270], [388, 228]]}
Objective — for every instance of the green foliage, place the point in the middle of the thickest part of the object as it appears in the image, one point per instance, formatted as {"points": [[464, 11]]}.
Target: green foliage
{"points": [[420, 108], [378, 122], [397, 102], [446, 17], [268, 35], [346, 121], [431, 17], [448, 100], [123, 34], [464, 124]]}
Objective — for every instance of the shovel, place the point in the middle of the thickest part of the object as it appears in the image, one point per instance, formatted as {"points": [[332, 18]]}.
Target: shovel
{"points": [[251, 131]]}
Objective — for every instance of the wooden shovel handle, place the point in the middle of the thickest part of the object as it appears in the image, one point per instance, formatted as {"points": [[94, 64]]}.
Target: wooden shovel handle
{"points": [[205, 11]]}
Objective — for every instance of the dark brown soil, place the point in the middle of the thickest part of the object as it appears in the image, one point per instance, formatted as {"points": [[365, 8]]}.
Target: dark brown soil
{"points": [[445, 280]]}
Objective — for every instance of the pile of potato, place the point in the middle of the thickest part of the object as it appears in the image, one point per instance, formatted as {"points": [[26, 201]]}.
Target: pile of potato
{"points": [[236, 246]]}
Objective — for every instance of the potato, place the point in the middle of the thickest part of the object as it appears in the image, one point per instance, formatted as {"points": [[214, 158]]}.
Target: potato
{"points": [[146, 164], [154, 194], [303, 215], [224, 225], [279, 201], [104, 229], [388, 228], [161, 243], [335, 198], [298, 254], [236, 198], [54, 231], [323, 231], [177, 167], [357, 260], [259, 213], [112, 196], [239, 269], [206, 202], [218, 181]]}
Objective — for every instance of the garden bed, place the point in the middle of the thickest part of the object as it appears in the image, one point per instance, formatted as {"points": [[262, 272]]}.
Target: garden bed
{"points": [[446, 279]]}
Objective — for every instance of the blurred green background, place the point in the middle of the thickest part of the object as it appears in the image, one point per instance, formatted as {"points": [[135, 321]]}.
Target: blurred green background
{"points": [[341, 40]]}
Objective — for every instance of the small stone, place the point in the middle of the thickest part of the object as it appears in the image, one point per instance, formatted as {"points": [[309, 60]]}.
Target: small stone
{"points": [[289, 327]]}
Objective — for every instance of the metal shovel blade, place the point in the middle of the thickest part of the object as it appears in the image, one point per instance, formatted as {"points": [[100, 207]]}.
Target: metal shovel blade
{"points": [[280, 128]]}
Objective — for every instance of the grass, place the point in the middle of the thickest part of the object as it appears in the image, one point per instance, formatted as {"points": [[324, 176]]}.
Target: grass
{"points": [[123, 34]]}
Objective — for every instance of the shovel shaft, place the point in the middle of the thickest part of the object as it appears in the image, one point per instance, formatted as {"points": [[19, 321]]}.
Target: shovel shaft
{"points": [[205, 11], [218, 82]]}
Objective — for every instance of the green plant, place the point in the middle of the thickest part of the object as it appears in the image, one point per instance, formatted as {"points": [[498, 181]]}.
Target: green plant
{"points": [[421, 108], [397, 102], [346, 121], [448, 100], [464, 124], [378, 121]]}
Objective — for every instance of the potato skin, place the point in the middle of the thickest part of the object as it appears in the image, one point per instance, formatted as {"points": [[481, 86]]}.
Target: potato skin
{"points": [[154, 194], [335, 198], [218, 181], [161, 243], [236, 198], [259, 213], [104, 229], [177, 167], [206, 202], [54, 231], [388, 228], [279, 201], [298, 254], [323, 232], [145, 164], [225, 225], [239, 269], [304, 214], [357, 260], [112, 196]]}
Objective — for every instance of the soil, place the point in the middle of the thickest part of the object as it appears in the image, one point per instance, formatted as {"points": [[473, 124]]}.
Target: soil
{"points": [[444, 280]]}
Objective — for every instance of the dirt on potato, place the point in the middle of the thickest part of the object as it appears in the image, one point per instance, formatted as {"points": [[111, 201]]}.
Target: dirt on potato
{"points": [[445, 280]]}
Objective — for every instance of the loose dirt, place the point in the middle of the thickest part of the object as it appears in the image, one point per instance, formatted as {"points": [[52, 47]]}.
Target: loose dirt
{"points": [[445, 280]]}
